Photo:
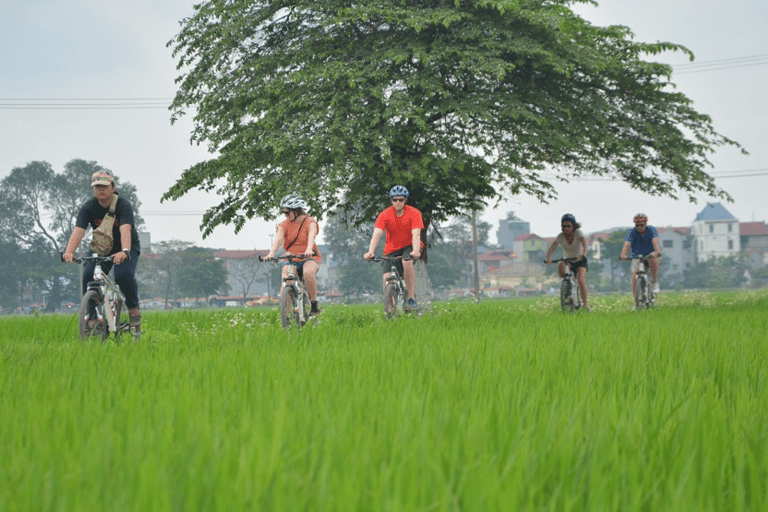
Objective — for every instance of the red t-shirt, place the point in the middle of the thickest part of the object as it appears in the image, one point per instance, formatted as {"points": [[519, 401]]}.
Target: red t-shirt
{"points": [[398, 229]]}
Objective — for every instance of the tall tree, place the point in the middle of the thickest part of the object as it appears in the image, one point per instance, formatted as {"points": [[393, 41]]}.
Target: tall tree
{"points": [[200, 274], [347, 245], [462, 102], [166, 265], [611, 250]]}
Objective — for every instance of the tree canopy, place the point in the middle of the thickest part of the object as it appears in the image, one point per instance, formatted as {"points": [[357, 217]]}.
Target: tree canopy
{"points": [[462, 101]]}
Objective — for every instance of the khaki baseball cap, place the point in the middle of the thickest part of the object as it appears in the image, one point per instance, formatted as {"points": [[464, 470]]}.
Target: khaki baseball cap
{"points": [[102, 178]]}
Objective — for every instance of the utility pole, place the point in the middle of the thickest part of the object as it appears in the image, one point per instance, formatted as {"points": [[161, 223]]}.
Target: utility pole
{"points": [[474, 255]]}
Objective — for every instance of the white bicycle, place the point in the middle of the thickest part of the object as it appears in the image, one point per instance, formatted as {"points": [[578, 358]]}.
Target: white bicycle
{"points": [[102, 307]]}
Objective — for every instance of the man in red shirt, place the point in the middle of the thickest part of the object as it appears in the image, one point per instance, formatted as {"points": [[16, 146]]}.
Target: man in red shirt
{"points": [[403, 225]]}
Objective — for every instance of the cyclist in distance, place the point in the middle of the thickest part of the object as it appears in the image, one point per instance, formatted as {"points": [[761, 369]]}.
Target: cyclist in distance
{"points": [[402, 224], [125, 248], [297, 233], [574, 245], [643, 240]]}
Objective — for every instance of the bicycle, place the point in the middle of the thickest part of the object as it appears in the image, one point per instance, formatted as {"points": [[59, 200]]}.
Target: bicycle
{"points": [[102, 306], [643, 291], [294, 299], [395, 291], [570, 295]]}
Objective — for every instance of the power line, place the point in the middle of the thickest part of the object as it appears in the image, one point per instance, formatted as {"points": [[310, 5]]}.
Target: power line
{"points": [[716, 65]]}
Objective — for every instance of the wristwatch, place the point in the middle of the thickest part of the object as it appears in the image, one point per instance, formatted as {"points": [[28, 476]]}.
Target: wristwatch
{"points": [[127, 252]]}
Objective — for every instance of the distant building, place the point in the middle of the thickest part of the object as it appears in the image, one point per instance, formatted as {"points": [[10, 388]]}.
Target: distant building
{"points": [[677, 251], [145, 239], [754, 243], [716, 232], [595, 245], [511, 228], [530, 247]]}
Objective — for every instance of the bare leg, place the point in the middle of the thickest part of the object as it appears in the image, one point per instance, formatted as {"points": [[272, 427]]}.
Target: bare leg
{"points": [[561, 268], [653, 263], [409, 274], [310, 278], [582, 278]]}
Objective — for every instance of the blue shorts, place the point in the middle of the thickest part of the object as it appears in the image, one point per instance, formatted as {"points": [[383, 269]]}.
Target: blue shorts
{"points": [[299, 266]]}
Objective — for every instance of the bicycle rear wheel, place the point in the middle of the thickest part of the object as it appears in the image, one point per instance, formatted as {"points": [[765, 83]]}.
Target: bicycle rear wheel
{"points": [[393, 300], [91, 320]]}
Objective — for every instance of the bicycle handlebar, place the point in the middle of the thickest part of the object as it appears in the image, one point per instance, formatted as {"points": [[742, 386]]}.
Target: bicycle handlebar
{"points": [[640, 257], [87, 258], [386, 258], [288, 257], [567, 260]]}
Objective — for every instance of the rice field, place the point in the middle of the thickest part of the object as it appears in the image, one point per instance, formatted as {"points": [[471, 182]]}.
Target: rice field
{"points": [[502, 405]]}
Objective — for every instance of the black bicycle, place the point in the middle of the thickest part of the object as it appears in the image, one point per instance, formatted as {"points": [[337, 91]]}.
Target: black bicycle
{"points": [[570, 295], [295, 303], [395, 291], [102, 306]]}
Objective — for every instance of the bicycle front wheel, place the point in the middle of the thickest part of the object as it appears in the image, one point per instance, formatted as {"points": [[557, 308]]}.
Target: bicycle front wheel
{"points": [[287, 306], [393, 300], [640, 293], [565, 296], [122, 318], [92, 323]]}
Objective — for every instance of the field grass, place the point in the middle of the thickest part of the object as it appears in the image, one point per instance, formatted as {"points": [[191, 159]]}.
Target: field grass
{"points": [[503, 405]]}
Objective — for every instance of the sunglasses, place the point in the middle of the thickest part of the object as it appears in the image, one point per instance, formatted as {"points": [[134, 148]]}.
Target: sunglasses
{"points": [[566, 226], [286, 212], [395, 200], [640, 224]]}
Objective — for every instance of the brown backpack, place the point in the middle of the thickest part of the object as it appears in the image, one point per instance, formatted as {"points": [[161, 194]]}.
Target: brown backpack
{"points": [[102, 240]]}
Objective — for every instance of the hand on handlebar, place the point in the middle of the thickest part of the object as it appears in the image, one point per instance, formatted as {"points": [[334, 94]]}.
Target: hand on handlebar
{"points": [[67, 257]]}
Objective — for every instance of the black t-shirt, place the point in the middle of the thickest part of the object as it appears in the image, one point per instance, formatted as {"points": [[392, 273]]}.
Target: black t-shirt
{"points": [[92, 213]]}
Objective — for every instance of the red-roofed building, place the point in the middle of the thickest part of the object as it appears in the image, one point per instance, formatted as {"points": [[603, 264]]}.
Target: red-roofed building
{"points": [[530, 246], [754, 243], [491, 261]]}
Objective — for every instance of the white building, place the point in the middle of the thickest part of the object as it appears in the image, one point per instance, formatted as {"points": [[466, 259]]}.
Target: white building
{"points": [[716, 232]]}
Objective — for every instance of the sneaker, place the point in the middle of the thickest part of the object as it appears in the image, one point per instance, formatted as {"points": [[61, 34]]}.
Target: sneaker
{"points": [[411, 305], [315, 309], [135, 323], [656, 288]]}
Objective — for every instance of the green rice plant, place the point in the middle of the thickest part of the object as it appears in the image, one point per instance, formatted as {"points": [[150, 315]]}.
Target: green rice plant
{"points": [[502, 405]]}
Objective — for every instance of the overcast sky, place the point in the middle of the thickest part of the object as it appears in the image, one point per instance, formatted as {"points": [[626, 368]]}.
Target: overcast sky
{"points": [[103, 52]]}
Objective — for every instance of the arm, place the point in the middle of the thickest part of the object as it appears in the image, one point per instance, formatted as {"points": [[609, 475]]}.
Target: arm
{"points": [[416, 243], [279, 236], [656, 246], [584, 247], [309, 251], [377, 232], [625, 250], [550, 252], [125, 243], [74, 242]]}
